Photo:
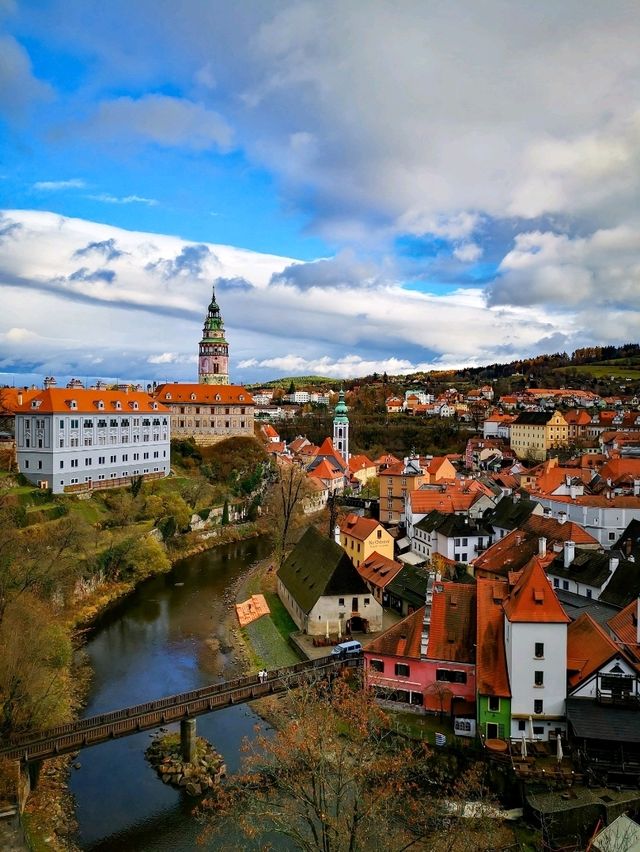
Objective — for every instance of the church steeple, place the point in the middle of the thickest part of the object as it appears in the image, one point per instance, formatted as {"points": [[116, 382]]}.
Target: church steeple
{"points": [[213, 360], [341, 428]]}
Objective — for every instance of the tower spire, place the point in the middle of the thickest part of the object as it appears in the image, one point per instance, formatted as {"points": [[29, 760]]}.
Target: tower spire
{"points": [[213, 354], [341, 427]]}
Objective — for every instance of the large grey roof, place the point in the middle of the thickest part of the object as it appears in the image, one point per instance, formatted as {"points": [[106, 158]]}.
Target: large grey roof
{"points": [[594, 721]]}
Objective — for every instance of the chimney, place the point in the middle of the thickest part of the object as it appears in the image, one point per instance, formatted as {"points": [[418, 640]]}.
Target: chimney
{"points": [[562, 518], [516, 496], [569, 552], [19, 397], [542, 547], [628, 547], [613, 563], [573, 491], [426, 621]]}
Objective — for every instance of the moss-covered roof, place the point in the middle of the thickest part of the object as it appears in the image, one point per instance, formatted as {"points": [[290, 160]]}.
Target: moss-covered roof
{"points": [[318, 567]]}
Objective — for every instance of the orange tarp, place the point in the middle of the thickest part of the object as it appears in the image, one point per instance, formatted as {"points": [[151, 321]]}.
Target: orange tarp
{"points": [[250, 610]]}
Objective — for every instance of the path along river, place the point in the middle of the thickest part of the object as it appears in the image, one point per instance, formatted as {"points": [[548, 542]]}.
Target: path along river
{"points": [[169, 636]]}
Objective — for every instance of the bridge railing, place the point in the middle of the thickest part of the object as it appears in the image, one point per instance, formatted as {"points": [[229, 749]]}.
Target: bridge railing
{"points": [[158, 712]]}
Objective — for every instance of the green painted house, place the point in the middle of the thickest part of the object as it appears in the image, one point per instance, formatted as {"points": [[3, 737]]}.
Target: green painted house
{"points": [[492, 676]]}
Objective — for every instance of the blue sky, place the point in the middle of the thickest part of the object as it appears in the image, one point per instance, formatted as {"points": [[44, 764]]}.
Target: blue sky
{"points": [[369, 186]]}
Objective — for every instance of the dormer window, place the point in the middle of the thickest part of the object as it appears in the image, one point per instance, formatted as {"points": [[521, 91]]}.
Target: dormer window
{"points": [[118, 405], [73, 404], [167, 396], [193, 396], [100, 404], [241, 398], [134, 405], [154, 405], [35, 403], [218, 397]]}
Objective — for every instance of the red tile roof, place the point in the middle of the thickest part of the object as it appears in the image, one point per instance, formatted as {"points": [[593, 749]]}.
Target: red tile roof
{"points": [[452, 634], [492, 677], [532, 600], [379, 570], [625, 626], [387, 459], [588, 648], [9, 397], [425, 501], [210, 394], [89, 401], [553, 530], [358, 527], [357, 463], [326, 471], [326, 448], [401, 640], [269, 432]]}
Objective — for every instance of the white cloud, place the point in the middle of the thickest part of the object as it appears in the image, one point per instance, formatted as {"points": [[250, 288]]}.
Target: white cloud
{"points": [[19, 88], [161, 119], [467, 252], [126, 199], [54, 185]]}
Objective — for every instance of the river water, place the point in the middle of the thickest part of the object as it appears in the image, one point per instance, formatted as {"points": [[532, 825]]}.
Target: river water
{"points": [[169, 636]]}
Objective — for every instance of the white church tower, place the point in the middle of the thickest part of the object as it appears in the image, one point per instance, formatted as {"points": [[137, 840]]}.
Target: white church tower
{"points": [[341, 428]]}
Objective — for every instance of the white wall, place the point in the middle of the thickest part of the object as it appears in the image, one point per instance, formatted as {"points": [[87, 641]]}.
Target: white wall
{"points": [[588, 688]]}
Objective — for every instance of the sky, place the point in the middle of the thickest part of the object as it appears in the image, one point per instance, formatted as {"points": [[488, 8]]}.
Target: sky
{"points": [[370, 186]]}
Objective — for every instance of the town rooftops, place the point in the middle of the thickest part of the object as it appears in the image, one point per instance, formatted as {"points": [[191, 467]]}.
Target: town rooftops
{"points": [[452, 634], [379, 570], [588, 567], [422, 502], [624, 586], [410, 585], [358, 527], [532, 600], [325, 470], [452, 526], [89, 401], [508, 513], [624, 625], [401, 640], [588, 648], [13, 398], [492, 677], [318, 567], [360, 462]]}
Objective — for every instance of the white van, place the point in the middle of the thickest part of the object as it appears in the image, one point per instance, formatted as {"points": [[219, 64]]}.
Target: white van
{"points": [[347, 649]]}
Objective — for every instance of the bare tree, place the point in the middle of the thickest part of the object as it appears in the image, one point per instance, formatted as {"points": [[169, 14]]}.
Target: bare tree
{"points": [[285, 505]]}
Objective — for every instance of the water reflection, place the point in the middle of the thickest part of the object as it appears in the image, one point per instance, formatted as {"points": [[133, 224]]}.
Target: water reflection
{"points": [[165, 638]]}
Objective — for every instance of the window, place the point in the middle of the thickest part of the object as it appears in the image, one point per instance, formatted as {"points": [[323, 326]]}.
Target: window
{"points": [[494, 704], [402, 670], [449, 676], [39, 465], [565, 585], [74, 424], [539, 650], [340, 601], [88, 462], [112, 459], [538, 730], [74, 462], [522, 725], [556, 583], [26, 464], [367, 601], [538, 678], [62, 424], [379, 533], [538, 705], [61, 465], [589, 593], [612, 536], [376, 665]]}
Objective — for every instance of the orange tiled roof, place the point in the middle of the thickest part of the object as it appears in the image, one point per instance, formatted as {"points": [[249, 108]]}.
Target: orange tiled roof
{"points": [[492, 676], [553, 530], [195, 392], [269, 432], [9, 398], [401, 640], [357, 463], [625, 626], [327, 449], [615, 469], [452, 634], [88, 401], [358, 527], [620, 501], [425, 501], [588, 648], [387, 459], [532, 599], [325, 471], [378, 569]]}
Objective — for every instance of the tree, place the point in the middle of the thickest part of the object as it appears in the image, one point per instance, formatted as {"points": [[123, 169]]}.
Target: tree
{"points": [[285, 505], [335, 778], [292, 387], [442, 693], [225, 513]]}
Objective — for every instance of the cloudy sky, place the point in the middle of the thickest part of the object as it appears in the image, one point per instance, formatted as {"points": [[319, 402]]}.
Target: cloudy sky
{"points": [[370, 185]]}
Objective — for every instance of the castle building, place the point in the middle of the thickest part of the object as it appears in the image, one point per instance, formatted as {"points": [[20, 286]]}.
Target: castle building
{"points": [[341, 428], [213, 355], [207, 414]]}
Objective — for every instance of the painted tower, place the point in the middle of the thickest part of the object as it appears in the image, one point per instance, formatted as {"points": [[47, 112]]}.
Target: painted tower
{"points": [[213, 360], [341, 428]]}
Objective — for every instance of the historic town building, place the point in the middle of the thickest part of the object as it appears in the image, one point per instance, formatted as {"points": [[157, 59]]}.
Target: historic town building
{"points": [[213, 354], [76, 439], [341, 428], [207, 413]]}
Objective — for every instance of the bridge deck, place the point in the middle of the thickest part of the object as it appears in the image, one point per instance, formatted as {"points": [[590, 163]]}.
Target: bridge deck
{"points": [[143, 717]]}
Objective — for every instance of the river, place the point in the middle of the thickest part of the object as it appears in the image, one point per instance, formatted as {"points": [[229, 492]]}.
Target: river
{"points": [[162, 639]]}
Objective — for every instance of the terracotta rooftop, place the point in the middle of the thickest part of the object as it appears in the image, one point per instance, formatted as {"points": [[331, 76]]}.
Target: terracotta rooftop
{"points": [[209, 394], [324, 470], [452, 635], [532, 600], [358, 527], [90, 401], [401, 640], [379, 570], [625, 626], [588, 648], [492, 677]]}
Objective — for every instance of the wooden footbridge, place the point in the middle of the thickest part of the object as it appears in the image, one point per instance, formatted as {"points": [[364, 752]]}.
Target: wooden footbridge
{"points": [[174, 708]]}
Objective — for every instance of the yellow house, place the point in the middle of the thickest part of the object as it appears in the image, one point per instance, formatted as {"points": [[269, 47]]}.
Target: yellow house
{"points": [[534, 433], [362, 469], [398, 480], [360, 537]]}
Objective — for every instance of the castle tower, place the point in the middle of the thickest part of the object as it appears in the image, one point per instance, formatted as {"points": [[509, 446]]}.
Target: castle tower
{"points": [[213, 360], [341, 428]]}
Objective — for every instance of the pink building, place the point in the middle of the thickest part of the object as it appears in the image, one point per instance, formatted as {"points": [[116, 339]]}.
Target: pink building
{"points": [[428, 658]]}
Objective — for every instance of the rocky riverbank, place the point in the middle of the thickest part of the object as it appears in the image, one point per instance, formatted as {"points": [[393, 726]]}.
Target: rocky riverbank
{"points": [[197, 778]]}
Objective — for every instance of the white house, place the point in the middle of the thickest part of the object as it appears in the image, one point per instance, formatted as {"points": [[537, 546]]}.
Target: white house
{"points": [[323, 592], [606, 519], [535, 636]]}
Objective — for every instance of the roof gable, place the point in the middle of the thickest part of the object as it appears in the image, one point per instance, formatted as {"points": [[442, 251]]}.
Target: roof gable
{"points": [[452, 634], [532, 599]]}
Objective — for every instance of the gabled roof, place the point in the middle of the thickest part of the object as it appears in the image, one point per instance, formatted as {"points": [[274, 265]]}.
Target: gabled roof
{"points": [[554, 530], [324, 470], [588, 649], [426, 501], [492, 676], [509, 513], [386, 459], [409, 584], [182, 392], [452, 526], [9, 398], [327, 450], [533, 418], [624, 586], [379, 570], [532, 600], [316, 567], [588, 567], [625, 626], [452, 634], [358, 527], [361, 462], [401, 640]]}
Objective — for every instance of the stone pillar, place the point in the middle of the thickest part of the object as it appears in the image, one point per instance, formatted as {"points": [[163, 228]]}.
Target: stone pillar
{"points": [[188, 740], [34, 768]]}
